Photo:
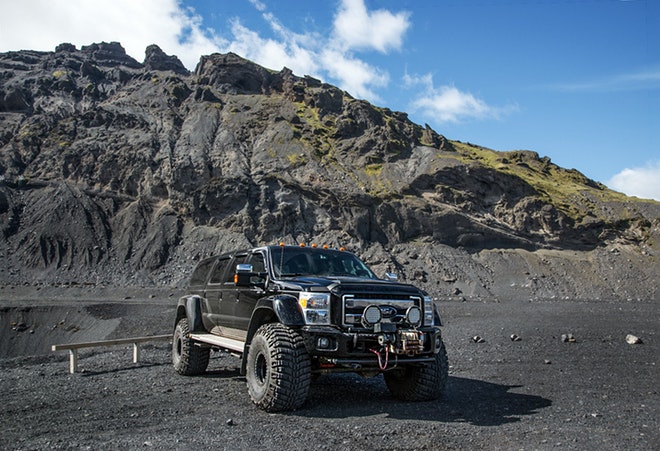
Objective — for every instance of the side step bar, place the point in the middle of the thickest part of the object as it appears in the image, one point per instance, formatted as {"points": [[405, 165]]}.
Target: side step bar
{"points": [[221, 342]]}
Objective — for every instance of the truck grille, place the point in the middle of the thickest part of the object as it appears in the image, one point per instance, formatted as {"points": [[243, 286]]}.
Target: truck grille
{"points": [[393, 307]]}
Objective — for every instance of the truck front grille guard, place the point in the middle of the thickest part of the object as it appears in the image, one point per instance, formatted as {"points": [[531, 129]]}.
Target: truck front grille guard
{"points": [[393, 307]]}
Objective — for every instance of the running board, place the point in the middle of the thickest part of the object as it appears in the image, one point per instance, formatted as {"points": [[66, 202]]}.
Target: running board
{"points": [[221, 342]]}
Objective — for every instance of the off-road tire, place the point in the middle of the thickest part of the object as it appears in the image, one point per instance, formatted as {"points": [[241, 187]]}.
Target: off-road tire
{"points": [[278, 369], [188, 359], [420, 383]]}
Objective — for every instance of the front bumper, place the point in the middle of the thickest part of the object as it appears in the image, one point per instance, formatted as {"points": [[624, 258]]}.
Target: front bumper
{"points": [[355, 347]]}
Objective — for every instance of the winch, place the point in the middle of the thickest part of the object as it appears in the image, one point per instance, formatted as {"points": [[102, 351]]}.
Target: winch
{"points": [[402, 342]]}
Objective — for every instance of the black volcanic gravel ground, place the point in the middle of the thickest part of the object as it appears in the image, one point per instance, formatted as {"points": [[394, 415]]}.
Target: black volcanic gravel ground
{"points": [[536, 393]]}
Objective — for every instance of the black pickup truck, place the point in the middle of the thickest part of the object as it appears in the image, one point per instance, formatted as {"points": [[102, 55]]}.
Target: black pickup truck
{"points": [[292, 312]]}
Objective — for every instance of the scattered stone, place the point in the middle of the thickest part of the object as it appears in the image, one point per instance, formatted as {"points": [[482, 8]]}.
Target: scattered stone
{"points": [[547, 362], [568, 338], [633, 340], [515, 337], [230, 422], [478, 339], [20, 327]]}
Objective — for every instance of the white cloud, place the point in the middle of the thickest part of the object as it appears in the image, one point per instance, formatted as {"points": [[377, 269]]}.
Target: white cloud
{"points": [[259, 5], [643, 182], [633, 81], [325, 57], [354, 75], [43, 24], [291, 51], [448, 103], [411, 81], [357, 28]]}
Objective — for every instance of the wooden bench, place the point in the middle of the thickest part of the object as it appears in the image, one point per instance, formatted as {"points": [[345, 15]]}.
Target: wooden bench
{"points": [[135, 341]]}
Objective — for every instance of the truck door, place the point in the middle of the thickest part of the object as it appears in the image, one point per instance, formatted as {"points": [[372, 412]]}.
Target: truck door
{"points": [[217, 311], [230, 299], [247, 297]]}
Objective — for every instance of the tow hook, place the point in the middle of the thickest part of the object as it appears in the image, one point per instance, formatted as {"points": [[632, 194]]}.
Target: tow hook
{"points": [[386, 340]]}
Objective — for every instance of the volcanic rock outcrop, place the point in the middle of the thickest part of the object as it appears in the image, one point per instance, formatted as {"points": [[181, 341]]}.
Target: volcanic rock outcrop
{"points": [[119, 172]]}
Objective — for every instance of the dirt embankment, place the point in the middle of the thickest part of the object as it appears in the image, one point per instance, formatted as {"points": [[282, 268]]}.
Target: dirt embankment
{"points": [[31, 320]]}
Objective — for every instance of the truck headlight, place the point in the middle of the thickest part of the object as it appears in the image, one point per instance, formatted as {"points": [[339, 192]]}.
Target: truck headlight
{"points": [[429, 318], [315, 307]]}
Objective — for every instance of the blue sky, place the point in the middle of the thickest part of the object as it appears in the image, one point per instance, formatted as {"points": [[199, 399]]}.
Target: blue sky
{"points": [[575, 80]]}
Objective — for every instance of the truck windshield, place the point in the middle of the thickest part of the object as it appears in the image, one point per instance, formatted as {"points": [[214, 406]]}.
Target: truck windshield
{"points": [[299, 261]]}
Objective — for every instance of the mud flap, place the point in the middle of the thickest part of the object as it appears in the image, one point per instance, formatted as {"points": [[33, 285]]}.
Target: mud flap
{"points": [[194, 313]]}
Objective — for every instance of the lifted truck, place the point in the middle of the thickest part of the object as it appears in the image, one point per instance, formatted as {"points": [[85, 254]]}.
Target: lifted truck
{"points": [[292, 312]]}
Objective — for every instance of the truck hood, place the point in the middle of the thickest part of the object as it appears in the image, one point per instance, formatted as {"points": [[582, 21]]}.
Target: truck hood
{"points": [[342, 284]]}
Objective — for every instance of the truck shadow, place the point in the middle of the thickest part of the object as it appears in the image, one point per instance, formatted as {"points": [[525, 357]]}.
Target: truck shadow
{"points": [[466, 400]]}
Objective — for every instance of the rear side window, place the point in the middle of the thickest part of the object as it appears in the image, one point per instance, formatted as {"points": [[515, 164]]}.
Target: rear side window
{"points": [[219, 270], [201, 272]]}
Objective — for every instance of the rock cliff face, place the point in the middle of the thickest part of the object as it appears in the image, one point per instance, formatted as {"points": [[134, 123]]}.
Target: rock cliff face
{"points": [[119, 172]]}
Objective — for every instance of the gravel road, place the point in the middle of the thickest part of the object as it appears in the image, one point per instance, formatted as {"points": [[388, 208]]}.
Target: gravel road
{"points": [[539, 392]]}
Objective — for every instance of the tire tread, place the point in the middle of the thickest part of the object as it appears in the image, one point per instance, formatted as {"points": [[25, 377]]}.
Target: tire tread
{"points": [[420, 383], [193, 360], [290, 372]]}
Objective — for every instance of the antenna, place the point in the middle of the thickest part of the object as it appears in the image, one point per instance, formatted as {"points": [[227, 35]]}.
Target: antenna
{"points": [[281, 257]]}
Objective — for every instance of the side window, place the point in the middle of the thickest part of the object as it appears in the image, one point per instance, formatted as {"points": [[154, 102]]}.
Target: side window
{"points": [[257, 262], [239, 259], [201, 272], [219, 270]]}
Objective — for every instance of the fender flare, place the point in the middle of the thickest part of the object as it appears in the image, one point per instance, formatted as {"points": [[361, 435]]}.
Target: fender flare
{"points": [[288, 310], [190, 307], [281, 308]]}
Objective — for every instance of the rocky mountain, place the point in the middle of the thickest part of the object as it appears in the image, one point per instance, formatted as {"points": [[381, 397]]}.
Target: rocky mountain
{"points": [[122, 173]]}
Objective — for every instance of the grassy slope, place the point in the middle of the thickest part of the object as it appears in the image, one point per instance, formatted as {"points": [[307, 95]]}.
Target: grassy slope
{"points": [[567, 189]]}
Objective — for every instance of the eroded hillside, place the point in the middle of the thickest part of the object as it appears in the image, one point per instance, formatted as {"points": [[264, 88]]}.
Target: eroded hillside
{"points": [[120, 172]]}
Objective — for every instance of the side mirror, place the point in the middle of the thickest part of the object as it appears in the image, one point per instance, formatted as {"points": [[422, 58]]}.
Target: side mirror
{"points": [[243, 275], [391, 276], [243, 268]]}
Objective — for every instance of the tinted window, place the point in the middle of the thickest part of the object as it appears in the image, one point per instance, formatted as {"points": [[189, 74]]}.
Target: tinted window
{"points": [[291, 262], [238, 260], [219, 270], [257, 262], [201, 272]]}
